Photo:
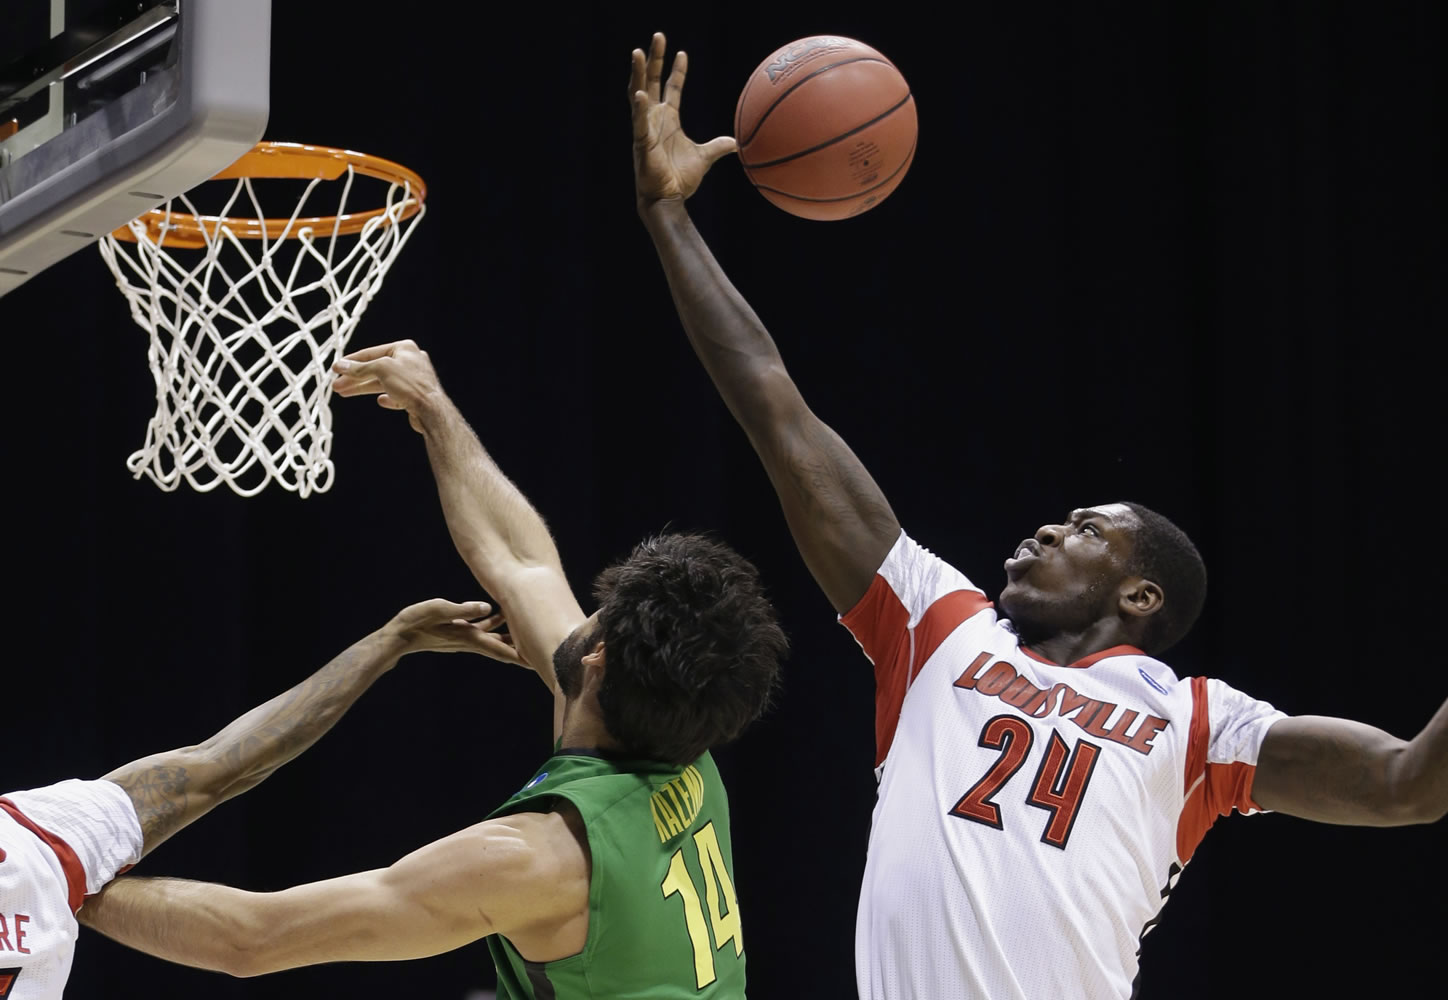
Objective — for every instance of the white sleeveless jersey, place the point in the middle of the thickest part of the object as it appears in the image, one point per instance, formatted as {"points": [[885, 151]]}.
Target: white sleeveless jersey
{"points": [[1031, 818], [58, 844]]}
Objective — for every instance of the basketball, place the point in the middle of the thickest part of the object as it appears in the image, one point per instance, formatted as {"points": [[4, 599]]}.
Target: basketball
{"points": [[826, 127]]}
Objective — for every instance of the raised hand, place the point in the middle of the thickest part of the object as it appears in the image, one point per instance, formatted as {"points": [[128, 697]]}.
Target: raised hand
{"points": [[400, 374], [445, 627], [667, 163]]}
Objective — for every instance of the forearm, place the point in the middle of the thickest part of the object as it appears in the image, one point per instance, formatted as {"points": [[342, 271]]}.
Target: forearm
{"points": [[493, 526], [837, 514], [172, 789], [501, 537], [198, 924], [735, 348]]}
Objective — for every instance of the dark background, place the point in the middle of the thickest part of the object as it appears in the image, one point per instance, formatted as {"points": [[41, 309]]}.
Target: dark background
{"points": [[1190, 255]]}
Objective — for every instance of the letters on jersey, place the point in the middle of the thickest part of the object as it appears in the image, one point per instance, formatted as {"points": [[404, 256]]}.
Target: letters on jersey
{"points": [[57, 844], [1032, 816]]}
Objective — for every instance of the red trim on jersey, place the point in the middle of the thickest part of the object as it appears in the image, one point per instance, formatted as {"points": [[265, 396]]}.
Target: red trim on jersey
{"points": [[69, 862], [1197, 734], [1212, 790], [880, 624], [1085, 661]]}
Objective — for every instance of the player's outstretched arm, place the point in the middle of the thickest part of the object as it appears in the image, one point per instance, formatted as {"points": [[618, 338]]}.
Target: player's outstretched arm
{"points": [[1339, 771], [499, 534], [840, 520], [174, 788], [500, 876]]}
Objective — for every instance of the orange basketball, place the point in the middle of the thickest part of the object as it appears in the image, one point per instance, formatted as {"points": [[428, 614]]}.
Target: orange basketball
{"points": [[826, 127]]}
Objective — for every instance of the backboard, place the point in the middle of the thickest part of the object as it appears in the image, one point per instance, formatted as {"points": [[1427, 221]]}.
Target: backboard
{"points": [[109, 107]]}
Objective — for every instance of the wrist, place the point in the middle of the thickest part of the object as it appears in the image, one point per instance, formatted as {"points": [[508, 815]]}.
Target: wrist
{"points": [[653, 210], [389, 644], [434, 410]]}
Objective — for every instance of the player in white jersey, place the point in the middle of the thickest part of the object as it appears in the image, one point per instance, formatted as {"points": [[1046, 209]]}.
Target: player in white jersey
{"points": [[63, 842], [1043, 779]]}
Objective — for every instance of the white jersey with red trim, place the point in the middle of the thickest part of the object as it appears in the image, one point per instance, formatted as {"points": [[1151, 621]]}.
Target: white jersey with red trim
{"points": [[1031, 818], [58, 844]]}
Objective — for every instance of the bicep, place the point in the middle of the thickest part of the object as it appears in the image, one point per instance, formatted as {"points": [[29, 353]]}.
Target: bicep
{"points": [[839, 517], [1329, 770]]}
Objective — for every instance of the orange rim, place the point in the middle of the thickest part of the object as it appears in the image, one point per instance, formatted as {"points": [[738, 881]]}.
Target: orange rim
{"points": [[291, 160]]}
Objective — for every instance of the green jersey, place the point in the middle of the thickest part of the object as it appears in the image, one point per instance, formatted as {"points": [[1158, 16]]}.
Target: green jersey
{"points": [[663, 920]]}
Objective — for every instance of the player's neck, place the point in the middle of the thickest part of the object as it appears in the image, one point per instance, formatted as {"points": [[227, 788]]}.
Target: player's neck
{"points": [[583, 727], [1069, 647]]}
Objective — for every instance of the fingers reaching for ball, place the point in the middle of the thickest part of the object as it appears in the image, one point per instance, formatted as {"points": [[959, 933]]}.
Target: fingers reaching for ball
{"points": [[668, 165]]}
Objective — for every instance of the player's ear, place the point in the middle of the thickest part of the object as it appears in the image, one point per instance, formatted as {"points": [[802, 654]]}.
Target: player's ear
{"points": [[1140, 597], [594, 664]]}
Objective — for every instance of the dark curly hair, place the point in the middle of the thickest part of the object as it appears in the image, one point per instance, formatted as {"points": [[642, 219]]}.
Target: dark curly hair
{"points": [[1162, 552], [692, 645]]}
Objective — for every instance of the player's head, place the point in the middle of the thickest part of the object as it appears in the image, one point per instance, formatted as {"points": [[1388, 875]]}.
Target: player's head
{"points": [[691, 648], [1123, 561]]}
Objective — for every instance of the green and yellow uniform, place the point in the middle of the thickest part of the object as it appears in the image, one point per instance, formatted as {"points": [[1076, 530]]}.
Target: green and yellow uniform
{"points": [[663, 919]]}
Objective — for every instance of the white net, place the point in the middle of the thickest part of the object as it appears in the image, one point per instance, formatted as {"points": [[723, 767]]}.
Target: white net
{"points": [[244, 332]]}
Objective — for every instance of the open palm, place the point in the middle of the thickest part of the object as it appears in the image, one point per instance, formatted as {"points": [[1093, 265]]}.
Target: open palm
{"points": [[667, 163]]}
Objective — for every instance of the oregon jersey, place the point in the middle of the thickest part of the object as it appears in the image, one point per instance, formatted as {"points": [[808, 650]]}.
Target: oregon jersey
{"points": [[663, 920]]}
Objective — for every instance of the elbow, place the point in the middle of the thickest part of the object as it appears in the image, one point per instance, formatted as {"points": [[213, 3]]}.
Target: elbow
{"points": [[769, 402], [1424, 812], [239, 965], [246, 961], [1415, 802], [246, 947], [1418, 792], [1411, 813]]}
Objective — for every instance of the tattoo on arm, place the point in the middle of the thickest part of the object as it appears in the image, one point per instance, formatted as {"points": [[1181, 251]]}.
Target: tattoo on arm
{"points": [[159, 795], [170, 790]]}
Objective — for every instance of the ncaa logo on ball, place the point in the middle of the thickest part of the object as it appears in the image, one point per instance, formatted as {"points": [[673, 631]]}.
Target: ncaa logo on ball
{"points": [[791, 58]]}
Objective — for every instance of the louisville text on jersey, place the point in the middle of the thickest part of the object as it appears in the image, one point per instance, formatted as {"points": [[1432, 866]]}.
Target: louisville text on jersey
{"points": [[1001, 680]]}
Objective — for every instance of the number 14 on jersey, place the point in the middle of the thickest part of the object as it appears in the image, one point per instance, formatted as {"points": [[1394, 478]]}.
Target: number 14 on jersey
{"points": [[718, 893]]}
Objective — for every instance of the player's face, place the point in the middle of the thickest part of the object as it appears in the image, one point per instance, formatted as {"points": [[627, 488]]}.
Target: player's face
{"points": [[1065, 577]]}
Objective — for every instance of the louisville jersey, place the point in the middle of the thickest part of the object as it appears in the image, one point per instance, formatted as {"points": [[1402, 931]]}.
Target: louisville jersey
{"points": [[1032, 817], [663, 918], [58, 844]]}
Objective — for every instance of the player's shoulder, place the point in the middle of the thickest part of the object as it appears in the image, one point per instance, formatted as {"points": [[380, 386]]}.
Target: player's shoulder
{"points": [[908, 554], [1145, 681], [520, 872], [536, 846], [1157, 674], [918, 577]]}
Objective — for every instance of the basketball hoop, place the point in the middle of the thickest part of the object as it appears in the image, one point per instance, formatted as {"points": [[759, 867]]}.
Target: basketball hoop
{"points": [[247, 313]]}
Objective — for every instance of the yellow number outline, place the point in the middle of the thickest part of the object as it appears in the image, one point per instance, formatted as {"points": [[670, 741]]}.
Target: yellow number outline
{"points": [[718, 888]]}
